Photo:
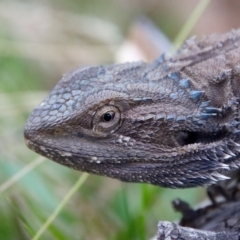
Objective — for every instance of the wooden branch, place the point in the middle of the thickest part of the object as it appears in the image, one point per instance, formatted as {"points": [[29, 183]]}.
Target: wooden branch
{"points": [[172, 231], [220, 220]]}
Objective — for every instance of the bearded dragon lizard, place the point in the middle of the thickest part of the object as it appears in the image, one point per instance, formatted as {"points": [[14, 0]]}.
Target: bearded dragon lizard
{"points": [[173, 122]]}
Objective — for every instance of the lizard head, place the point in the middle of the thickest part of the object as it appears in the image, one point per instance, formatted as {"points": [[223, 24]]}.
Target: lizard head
{"points": [[153, 123]]}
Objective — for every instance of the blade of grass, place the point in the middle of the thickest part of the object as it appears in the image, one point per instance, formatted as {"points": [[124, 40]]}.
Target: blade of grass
{"points": [[15, 178], [51, 218], [191, 22]]}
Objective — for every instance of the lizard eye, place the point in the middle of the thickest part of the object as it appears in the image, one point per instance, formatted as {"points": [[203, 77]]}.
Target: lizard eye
{"points": [[106, 120]]}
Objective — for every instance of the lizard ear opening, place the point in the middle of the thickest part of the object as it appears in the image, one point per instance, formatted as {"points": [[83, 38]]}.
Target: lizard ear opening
{"points": [[186, 137], [106, 120]]}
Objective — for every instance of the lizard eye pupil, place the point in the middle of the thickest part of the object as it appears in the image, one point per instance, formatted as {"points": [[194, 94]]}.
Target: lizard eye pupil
{"points": [[108, 116]]}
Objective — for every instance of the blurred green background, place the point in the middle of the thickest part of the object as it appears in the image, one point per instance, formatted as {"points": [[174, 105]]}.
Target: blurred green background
{"points": [[41, 40]]}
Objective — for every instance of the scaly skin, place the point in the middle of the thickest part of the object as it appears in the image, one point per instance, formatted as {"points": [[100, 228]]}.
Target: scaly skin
{"points": [[173, 122]]}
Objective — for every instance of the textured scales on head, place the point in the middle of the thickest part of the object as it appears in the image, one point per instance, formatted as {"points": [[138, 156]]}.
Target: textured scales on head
{"points": [[173, 122]]}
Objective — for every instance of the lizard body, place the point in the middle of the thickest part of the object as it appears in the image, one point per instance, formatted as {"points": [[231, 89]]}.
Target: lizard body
{"points": [[173, 122]]}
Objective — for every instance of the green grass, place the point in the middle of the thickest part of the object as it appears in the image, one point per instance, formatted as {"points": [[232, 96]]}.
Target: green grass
{"points": [[101, 208]]}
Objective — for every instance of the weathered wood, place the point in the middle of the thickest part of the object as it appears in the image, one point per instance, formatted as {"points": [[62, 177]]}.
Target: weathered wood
{"points": [[218, 220]]}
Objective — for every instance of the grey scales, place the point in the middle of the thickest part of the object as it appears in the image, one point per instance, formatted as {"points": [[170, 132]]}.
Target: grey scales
{"points": [[174, 123]]}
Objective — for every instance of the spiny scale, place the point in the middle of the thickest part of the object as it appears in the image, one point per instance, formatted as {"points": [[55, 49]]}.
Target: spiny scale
{"points": [[180, 116]]}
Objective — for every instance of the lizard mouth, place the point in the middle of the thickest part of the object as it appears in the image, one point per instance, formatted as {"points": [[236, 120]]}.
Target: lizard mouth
{"points": [[187, 137]]}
